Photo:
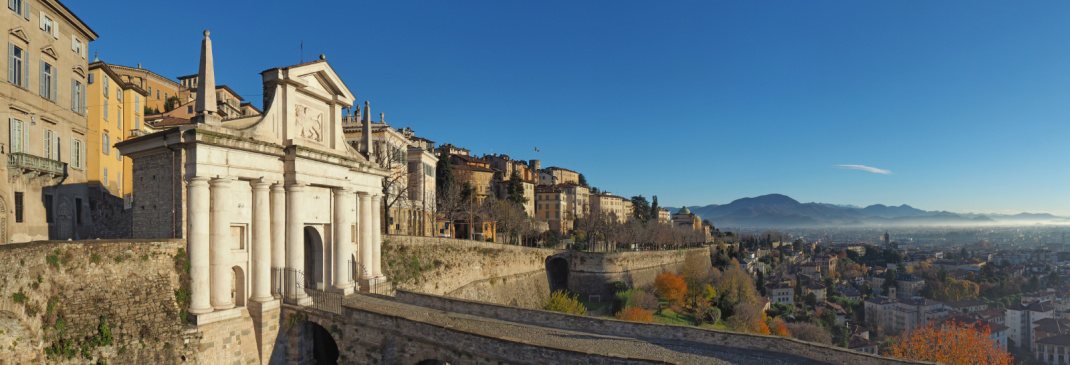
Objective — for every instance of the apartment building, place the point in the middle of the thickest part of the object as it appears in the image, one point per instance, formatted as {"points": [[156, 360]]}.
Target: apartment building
{"points": [[579, 200], [114, 114], [45, 195], [550, 206], [157, 88], [610, 205], [563, 175], [1020, 319]]}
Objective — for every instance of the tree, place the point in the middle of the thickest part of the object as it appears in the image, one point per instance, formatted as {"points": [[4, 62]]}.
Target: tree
{"points": [[654, 207], [396, 185], [809, 332], [516, 189], [952, 344], [734, 288], [444, 172], [748, 317], [761, 283], [640, 208], [171, 103], [890, 281], [561, 301], [779, 328], [582, 180], [635, 314], [148, 110], [670, 287]]}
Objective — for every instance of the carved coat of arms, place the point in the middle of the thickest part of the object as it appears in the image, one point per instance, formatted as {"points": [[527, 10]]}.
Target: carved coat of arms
{"points": [[309, 122]]}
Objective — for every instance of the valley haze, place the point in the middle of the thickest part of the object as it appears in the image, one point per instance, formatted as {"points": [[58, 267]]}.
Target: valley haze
{"points": [[777, 210]]}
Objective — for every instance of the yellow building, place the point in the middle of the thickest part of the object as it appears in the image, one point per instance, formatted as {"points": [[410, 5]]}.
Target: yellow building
{"points": [[113, 111], [563, 175], [157, 89], [550, 206]]}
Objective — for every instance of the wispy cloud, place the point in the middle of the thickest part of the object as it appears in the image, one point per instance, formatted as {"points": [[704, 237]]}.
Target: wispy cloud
{"points": [[864, 168]]}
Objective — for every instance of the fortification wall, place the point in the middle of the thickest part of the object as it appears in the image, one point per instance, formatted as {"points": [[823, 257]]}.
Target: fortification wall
{"points": [[55, 294], [481, 271], [592, 273], [712, 337]]}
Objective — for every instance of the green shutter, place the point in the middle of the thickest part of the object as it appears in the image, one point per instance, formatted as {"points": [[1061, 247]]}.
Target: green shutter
{"points": [[54, 90], [41, 80], [10, 62]]}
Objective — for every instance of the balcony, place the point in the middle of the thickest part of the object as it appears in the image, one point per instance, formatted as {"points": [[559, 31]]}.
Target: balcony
{"points": [[35, 166], [134, 133]]}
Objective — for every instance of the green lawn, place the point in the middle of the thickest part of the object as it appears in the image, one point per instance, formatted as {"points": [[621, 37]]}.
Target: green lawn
{"points": [[667, 316], [599, 309]]}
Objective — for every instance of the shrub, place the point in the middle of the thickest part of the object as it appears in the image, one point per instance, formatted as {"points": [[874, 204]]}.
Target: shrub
{"points": [[670, 287], [561, 301], [635, 315]]}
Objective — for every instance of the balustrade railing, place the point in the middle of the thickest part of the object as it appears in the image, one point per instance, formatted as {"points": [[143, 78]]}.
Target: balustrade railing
{"points": [[35, 164]]}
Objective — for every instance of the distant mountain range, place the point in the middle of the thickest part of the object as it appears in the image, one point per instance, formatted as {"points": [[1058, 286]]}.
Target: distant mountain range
{"points": [[776, 210]]}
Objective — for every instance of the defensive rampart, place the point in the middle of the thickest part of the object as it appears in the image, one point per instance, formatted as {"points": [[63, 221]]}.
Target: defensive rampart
{"points": [[593, 273]]}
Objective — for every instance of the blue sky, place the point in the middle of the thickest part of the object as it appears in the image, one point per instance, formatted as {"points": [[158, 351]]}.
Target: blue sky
{"points": [[964, 102]]}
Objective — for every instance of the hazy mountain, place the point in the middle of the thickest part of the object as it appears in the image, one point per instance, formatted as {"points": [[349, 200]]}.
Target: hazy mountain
{"points": [[777, 210]]}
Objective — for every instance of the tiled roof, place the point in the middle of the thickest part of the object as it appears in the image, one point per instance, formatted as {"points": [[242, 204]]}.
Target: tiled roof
{"points": [[1060, 340]]}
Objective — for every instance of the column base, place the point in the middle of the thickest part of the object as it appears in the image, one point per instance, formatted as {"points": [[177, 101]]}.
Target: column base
{"points": [[375, 285], [216, 316], [344, 291], [266, 322]]}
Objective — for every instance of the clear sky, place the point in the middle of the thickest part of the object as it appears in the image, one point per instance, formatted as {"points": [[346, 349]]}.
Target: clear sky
{"points": [[953, 105]]}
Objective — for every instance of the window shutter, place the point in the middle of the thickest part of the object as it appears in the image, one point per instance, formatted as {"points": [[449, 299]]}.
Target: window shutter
{"points": [[25, 136], [13, 135], [54, 90], [81, 93], [26, 70], [81, 155], [11, 4], [74, 152], [10, 62], [42, 80], [41, 23], [56, 150], [25, 9], [55, 30], [46, 147], [74, 42], [74, 95]]}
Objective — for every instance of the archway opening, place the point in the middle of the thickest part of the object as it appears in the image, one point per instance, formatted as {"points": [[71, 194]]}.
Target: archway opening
{"points": [[557, 273], [313, 259], [237, 286], [324, 349]]}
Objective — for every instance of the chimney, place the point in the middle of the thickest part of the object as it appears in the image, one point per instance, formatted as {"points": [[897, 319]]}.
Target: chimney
{"points": [[206, 103], [366, 131]]}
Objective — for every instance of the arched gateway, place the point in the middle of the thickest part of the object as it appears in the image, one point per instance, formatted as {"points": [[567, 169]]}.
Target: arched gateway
{"points": [[261, 196]]}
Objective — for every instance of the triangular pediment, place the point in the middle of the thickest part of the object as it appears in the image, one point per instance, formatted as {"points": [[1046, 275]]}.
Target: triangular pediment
{"points": [[51, 52], [320, 79], [79, 70], [20, 34]]}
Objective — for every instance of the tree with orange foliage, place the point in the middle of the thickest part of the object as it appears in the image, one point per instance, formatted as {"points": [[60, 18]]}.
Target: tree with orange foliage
{"points": [[748, 318], [670, 287], [779, 328], [635, 314], [952, 344]]}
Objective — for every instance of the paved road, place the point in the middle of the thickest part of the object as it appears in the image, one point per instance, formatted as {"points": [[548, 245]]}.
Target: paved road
{"points": [[676, 352]]}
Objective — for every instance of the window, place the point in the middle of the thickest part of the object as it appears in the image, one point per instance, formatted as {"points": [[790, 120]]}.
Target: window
{"points": [[78, 96], [78, 210], [118, 155], [119, 180], [106, 144], [18, 207], [106, 82], [137, 104], [17, 6], [19, 134], [137, 123], [189, 109], [48, 81], [157, 94], [105, 105], [120, 121], [49, 26], [76, 154], [49, 212], [119, 95], [46, 147], [165, 96], [17, 72], [105, 180], [76, 46]]}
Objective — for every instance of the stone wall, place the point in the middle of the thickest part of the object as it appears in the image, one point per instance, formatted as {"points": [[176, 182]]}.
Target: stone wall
{"points": [[783, 345], [65, 290], [482, 271], [592, 273], [155, 196]]}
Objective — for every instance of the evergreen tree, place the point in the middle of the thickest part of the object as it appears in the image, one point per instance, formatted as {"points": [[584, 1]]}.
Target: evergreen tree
{"points": [[443, 173], [761, 283], [583, 180], [516, 189], [654, 207], [640, 208]]}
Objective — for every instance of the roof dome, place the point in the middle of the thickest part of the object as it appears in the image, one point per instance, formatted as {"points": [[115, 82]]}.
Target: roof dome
{"points": [[685, 210]]}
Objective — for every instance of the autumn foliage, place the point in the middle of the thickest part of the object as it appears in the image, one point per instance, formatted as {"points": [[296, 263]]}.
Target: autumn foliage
{"points": [[561, 301], [951, 344], [636, 315], [670, 287], [779, 328]]}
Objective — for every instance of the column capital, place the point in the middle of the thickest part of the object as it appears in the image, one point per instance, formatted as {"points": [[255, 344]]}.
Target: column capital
{"points": [[377, 197], [342, 190], [220, 181], [296, 186], [363, 194], [198, 180], [260, 184]]}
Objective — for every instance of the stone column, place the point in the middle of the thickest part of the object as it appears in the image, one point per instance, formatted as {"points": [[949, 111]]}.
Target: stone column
{"points": [[366, 235], [278, 234], [261, 267], [377, 236], [197, 242], [342, 222], [222, 273], [295, 238]]}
